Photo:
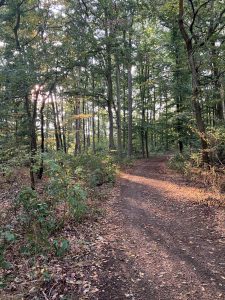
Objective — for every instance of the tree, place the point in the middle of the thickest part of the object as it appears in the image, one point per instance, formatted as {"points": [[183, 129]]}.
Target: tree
{"points": [[194, 41]]}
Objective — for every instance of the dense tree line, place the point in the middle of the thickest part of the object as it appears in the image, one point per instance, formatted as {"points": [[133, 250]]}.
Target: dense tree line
{"points": [[134, 76]]}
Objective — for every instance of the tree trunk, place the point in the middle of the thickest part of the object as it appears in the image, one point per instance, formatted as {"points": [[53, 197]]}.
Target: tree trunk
{"points": [[118, 111], [130, 100], [55, 124], [41, 170], [63, 127], [32, 131], [109, 77], [77, 149], [58, 125], [98, 126], [195, 85]]}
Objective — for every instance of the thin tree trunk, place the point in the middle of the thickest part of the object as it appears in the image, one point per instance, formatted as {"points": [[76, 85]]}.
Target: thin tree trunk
{"points": [[98, 126], [41, 170], [118, 111], [58, 124], [84, 127], [109, 81], [55, 124], [63, 127], [77, 128], [124, 117], [146, 138], [142, 95], [32, 130], [130, 100], [93, 118]]}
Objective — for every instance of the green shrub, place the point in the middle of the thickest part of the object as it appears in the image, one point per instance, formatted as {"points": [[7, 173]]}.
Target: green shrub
{"points": [[76, 197], [62, 187], [196, 159], [38, 218], [7, 237], [177, 162], [61, 247], [95, 169], [68, 180], [7, 172]]}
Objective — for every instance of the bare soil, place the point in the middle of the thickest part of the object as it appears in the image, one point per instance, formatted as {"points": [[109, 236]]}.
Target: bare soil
{"points": [[159, 239]]}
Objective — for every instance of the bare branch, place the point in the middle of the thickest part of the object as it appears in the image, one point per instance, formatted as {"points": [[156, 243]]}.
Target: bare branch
{"points": [[195, 13], [192, 6], [181, 22]]}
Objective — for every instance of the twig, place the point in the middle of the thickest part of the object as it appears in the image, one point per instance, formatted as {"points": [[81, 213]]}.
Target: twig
{"points": [[45, 296]]}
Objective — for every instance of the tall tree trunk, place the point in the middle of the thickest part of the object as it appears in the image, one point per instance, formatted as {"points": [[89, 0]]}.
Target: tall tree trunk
{"points": [[195, 85], [84, 126], [55, 124], [130, 98], [88, 130], [58, 124], [77, 127], [32, 115], [41, 170], [124, 117], [219, 106], [109, 70], [146, 138], [143, 73], [63, 127], [93, 118], [98, 125], [118, 111]]}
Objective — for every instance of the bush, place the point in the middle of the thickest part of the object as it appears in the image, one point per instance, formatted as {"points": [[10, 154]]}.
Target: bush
{"points": [[7, 237], [76, 200], [37, 217], [62, 187], [7, 173], [95, 170], [177, 162], [66, 187]]}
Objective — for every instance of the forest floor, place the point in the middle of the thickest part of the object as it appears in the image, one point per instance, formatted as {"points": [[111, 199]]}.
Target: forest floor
{"points": [[154, 238], [161, 240]]}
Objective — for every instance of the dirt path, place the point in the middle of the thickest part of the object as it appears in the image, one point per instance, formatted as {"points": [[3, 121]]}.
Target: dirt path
{"points": [[158, 243]]}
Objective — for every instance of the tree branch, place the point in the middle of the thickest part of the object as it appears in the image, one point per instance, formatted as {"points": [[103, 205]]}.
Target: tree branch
{"points": [[181, 22]]}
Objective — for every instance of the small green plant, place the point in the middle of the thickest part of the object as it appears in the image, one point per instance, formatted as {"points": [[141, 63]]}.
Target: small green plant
{"points": [[6, 239], [62, 188], [7, 173], [76, 197], [196, 159], [38, 219], [61, 247], [177, 162]]}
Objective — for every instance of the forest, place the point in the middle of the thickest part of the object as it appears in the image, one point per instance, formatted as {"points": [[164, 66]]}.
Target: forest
{"points": [[112, 117]]}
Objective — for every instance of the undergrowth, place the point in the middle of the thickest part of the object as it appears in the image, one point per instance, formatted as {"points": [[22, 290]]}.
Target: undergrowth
{"points": [[40, 215], [190, 165]]}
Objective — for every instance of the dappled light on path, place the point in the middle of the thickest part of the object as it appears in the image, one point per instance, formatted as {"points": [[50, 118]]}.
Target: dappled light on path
{"points": [[162, 245], [172, 190]]}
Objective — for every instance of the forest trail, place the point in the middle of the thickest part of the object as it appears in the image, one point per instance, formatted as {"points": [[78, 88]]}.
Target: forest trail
{"points": [[160, 243]]}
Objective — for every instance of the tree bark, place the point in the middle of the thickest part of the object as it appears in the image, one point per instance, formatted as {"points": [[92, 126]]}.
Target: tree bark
{"points": [[55, 124], [77, 149], [195, 85], [130, 98], [118, 111], [41, 170], [32, 115], [109, 78]]}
